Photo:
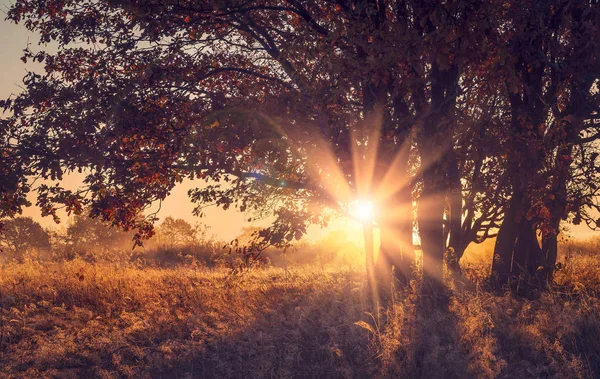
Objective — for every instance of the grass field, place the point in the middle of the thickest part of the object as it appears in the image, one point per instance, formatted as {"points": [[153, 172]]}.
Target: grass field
{"points": [[77, 319]]}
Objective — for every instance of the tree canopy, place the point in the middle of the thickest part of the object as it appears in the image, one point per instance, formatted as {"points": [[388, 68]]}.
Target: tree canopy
{"points": [[84, 234], [477, 112], [22, 235]]}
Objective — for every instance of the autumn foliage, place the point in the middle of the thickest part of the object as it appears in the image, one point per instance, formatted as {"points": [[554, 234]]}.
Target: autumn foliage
{"points": [[480, 113]]}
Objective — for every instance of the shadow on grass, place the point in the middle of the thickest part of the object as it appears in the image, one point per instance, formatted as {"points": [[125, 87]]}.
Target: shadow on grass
{"points": [[273, 323], [436, 350], [300, 330]]}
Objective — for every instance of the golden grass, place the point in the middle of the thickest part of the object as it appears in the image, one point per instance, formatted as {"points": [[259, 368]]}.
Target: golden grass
{"points": [[77, 319], [106, 321]]}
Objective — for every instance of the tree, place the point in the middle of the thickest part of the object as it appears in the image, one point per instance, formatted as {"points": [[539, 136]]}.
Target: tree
{"points": [[21, 235], [160, 82], [85, 235], [550, 78], [296, 108], [177, 232]]}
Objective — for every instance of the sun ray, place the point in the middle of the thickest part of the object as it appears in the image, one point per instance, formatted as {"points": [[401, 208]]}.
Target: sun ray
{"points": [[371, 192], [395, 178], [322, 164], [364, 146]]}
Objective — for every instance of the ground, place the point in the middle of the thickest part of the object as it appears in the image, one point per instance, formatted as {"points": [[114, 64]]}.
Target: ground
{"points": [[77, 319]]}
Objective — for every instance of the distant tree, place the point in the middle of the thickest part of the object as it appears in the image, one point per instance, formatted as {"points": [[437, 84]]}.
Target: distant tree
{"points": [[177, 232], [86, 235], [21, 235]]}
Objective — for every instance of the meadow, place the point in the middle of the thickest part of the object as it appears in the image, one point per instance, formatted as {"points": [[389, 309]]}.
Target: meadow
{"points": [[110, 319]]}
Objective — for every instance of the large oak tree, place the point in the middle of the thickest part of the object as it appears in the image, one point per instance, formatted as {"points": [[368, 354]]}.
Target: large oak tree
{"points": [[299, 107]]}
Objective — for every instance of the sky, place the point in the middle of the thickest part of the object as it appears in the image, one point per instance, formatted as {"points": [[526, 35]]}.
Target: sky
{"points": [[13, 39], [225, 225]]}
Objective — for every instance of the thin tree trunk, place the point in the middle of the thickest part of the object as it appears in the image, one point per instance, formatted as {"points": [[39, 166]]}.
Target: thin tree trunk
{"points": [[559, 204], [404, 269], [557, 213], [369, 261], [550, 252], [455, 219], [396, 254]]}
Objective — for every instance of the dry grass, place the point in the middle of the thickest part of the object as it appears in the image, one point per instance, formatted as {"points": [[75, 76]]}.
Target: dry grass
{"points": [[77, 319], [89, 320]]}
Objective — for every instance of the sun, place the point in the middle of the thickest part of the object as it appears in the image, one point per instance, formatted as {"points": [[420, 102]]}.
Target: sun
{"points": [[363, 210]]}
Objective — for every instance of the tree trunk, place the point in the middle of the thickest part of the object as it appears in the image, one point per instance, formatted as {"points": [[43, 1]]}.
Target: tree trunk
{"points": [[505, 243], [550, 252], [510, 259], [455, 245], [559, 204], [396, 254], [430, 215], [404, 269], [557, 213], [369, 262], [434, 140], [526, 258]]}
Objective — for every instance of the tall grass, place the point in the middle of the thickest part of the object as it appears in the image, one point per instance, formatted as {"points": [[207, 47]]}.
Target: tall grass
{"points": [[127, 319]]}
